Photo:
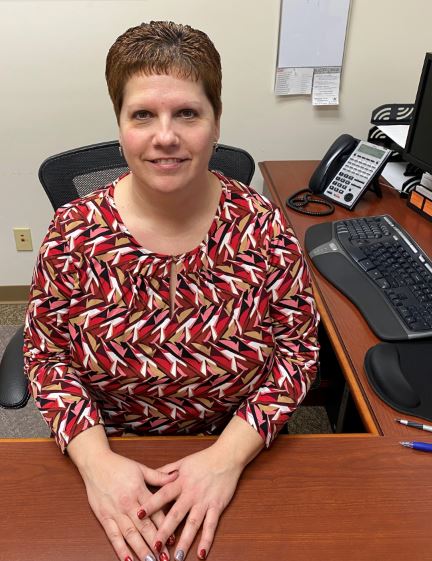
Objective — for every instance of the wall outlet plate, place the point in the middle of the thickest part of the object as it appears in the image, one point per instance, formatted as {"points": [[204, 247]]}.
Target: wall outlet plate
{"points": [[23, 240]]}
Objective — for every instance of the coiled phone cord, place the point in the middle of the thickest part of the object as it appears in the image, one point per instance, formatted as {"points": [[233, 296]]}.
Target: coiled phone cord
{"points": [[299, 201]]}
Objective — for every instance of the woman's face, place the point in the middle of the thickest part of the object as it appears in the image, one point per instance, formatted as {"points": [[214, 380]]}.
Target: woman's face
{"points": [[167, 131]]}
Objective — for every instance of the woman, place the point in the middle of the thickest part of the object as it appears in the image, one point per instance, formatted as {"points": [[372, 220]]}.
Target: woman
{"points": [[174, 301]]}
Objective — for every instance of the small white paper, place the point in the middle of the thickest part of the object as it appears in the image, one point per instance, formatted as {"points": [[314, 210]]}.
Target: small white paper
{"points": [[398, 133], [394, 174], [293, 81], [325, 89], [426, 180]]}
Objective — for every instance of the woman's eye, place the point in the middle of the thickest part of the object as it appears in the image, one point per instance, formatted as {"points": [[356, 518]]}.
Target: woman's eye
{"points": [[188, 113], [142, 115]]}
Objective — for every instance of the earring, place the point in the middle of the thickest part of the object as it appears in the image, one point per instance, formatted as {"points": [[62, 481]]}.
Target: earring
{"points": [[215, 147], [121, 150]]}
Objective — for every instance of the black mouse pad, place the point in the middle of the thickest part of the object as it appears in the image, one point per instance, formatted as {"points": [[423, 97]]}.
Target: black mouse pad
{"points": [[401, 374]]}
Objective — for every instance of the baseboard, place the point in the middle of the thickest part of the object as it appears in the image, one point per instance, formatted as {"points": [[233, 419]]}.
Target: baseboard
{"points": [[14, 294]]}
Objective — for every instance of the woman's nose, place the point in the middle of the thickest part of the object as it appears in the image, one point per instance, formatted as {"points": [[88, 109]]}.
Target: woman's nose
{"points": [[165, 134]]}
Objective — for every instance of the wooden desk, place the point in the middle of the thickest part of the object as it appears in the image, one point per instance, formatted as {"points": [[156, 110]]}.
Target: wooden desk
{"points": [[349, 333], [317, 498]]}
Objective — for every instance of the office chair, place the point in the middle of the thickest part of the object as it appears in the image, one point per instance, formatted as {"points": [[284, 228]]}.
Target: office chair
{"points": [[73, 174], [76, 173]]}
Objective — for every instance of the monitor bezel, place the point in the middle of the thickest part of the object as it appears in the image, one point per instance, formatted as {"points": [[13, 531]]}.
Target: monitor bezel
{"points": [[425, 166]]}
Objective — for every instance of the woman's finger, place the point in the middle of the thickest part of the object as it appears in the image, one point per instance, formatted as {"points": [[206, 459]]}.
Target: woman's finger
{"points": [[138, 536], [168, 468], [157, 477], [117, 540], [191, 527], [208, 532], [174, 517], [158, 519], [155, 502]]}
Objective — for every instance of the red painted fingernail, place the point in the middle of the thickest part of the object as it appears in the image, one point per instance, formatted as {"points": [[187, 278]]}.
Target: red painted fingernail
{"points": [[158, 546], [141, 514], [203, 554], [171, 540], [128, 558], [163, 557]]}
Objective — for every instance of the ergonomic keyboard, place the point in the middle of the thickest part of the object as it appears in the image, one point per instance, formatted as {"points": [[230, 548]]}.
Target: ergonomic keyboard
{"points": [[381, 269]]}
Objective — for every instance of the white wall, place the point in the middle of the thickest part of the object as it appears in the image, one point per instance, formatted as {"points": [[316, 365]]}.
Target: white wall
{"points": [[53, 93]]}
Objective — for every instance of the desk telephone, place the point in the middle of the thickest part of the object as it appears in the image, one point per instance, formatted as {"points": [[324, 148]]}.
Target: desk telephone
{"points": [[347, 169]]}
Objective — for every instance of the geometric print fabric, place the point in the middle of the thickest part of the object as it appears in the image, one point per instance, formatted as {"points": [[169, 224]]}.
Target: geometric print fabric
{"points": [[102, 344]]}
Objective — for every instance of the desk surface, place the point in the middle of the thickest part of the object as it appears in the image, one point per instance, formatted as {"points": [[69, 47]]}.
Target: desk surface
{"points": [[349, 332], [320, 498]]}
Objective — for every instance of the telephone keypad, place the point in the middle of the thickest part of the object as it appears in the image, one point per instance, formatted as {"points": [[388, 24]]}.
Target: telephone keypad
{"points": [[353, 177]]}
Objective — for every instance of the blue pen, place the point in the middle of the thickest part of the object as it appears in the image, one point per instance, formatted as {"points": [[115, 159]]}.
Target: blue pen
{"points": [[422, 446]]}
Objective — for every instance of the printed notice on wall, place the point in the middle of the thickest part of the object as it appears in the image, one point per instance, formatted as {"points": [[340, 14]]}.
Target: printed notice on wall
{"points": [[325, 89], [311, 38], [294, 81]]}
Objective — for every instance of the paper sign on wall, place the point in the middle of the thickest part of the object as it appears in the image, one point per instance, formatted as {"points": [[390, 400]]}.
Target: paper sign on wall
{"points": [[326, 82], [290, 81], [311, 38]]}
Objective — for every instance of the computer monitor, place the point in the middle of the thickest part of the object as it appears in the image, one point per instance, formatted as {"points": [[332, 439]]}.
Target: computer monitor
{"points": [[418, 148]]}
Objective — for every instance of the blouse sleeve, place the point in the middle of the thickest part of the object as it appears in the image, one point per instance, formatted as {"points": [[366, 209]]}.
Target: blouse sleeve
{"points": [[294, 321], [55, 385]]}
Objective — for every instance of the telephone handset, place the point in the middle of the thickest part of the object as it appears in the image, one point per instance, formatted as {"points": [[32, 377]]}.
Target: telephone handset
{"points": [[347, 169], [345, 172]]}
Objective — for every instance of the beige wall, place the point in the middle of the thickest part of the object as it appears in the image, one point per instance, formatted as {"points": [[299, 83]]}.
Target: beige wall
{"points": [[53, 94]]}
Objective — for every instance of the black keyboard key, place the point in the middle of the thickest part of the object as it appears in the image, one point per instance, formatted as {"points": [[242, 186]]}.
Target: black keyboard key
{"points": [[366, 265], [382, 283], [357, 253], [418, 326], [374, 274]]}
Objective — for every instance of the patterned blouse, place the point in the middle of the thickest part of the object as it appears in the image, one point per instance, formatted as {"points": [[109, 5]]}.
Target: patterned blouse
{"points": [[102, 346]]}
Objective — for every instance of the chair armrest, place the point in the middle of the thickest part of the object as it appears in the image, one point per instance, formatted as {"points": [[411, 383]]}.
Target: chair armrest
{"points": [[14, 392]]}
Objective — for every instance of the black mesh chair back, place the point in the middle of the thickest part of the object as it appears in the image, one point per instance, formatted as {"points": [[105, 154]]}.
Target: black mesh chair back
{"points": [[75, 173], [233, 162]]}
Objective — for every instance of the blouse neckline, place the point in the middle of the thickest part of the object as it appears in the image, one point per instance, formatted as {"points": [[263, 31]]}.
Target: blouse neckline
{"points": [[165, 256]]}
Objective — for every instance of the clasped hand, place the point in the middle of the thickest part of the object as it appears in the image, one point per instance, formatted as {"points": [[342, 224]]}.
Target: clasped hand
{"points": [[204, 487], [201, 486], [116, 487]]}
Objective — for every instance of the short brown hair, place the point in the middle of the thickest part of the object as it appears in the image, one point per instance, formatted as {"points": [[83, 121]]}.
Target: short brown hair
{"points": [[161, 47]]}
